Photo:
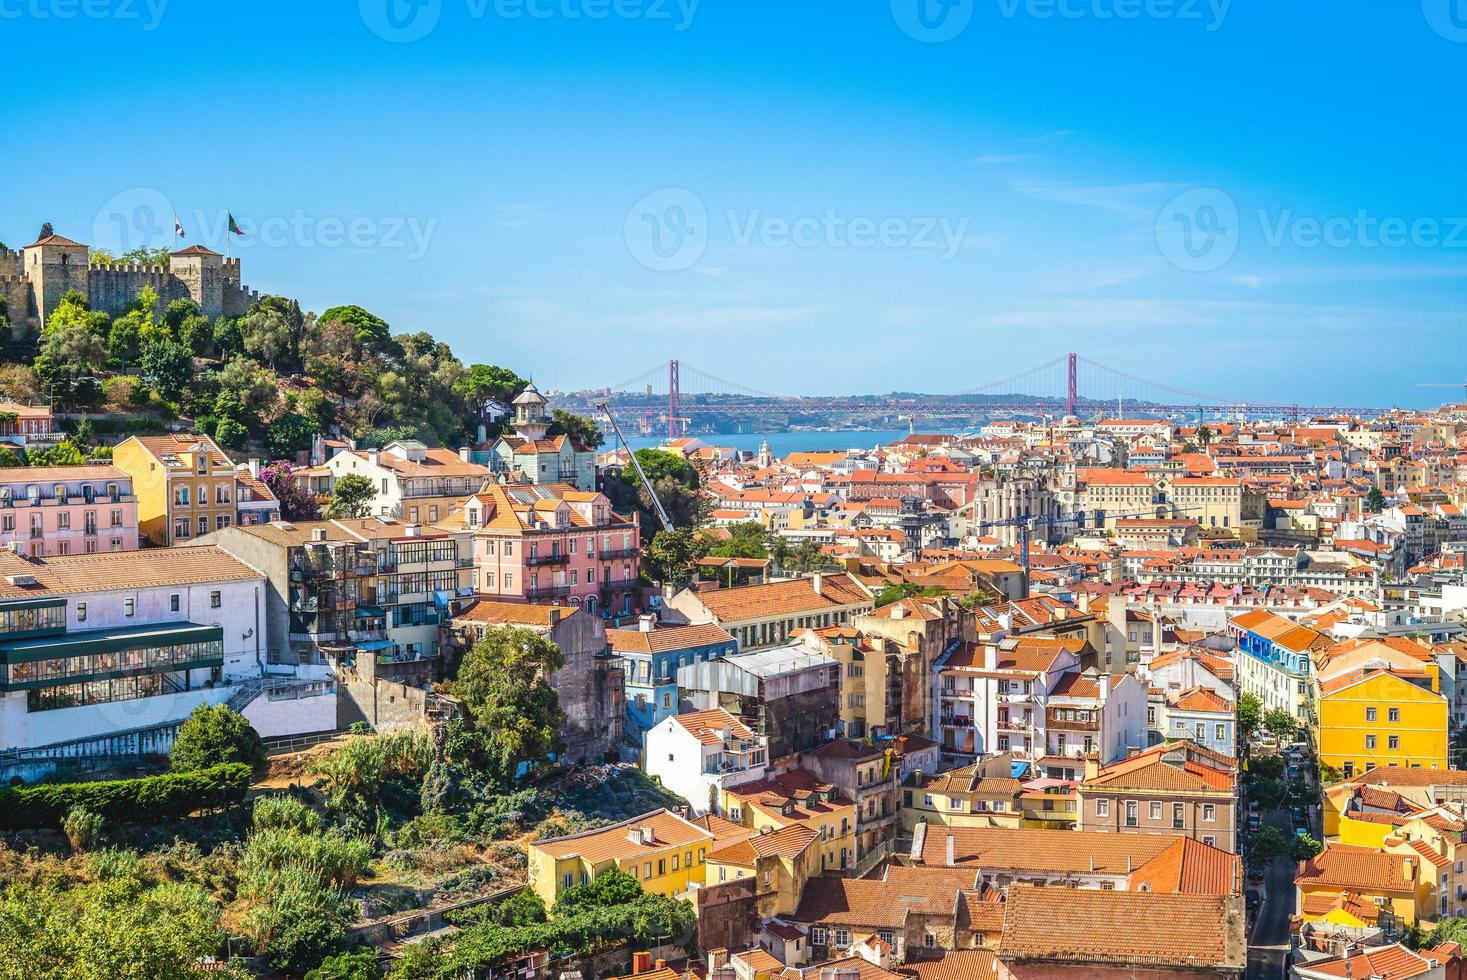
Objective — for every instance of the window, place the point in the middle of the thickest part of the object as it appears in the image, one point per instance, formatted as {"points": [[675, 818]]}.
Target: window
{"points": [[1132, 813], [842, 938], [647, 869], [1179, 815], [1370, 714], [1209, 840], [1102, 808], [1220, 732], [128, 606], [565, 880], [1370, 741], [203, 523], [215, 600], [818, 935], [1155, 811], [173, 602], [81, 612], [1209, 812], [1393, 714], [1393, 742]]}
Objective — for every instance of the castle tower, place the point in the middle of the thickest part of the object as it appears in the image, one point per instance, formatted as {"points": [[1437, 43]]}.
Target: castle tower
{"points": [[53, 265], [530, 418], [200, 271]]}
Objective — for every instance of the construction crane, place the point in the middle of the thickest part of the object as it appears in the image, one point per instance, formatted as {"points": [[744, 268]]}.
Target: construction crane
{"points": [[1446, 384], [637, 465]]}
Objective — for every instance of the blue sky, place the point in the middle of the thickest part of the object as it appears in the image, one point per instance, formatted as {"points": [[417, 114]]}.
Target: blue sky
{"points": [[1261, 199]]}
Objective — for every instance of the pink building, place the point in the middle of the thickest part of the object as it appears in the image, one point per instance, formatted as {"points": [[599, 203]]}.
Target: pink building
{"points": [[67, 510], [553, 544], [27, 425]]}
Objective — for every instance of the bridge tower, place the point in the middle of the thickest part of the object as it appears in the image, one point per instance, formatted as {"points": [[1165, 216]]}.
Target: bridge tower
{"points": [[674, 402], [1073, 389]]}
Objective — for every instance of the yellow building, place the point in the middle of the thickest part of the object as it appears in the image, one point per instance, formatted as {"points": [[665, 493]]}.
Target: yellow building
{"points": [[184, 484], [666, 853], [797, 797], [1342, 878], [1376, 718], [966, 797], [780, 862]]}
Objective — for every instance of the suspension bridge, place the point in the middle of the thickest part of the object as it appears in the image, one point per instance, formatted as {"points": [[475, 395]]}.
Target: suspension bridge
{"points": [[675, 393]]}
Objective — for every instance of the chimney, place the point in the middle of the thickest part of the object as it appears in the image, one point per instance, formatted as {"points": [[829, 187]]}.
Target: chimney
{"points": [[554, 616], [647, 622], [413, 530], [817, 582], [641, 963], [899, 611], [660, 964], [254, 465], [649, 836], [318, 534], [951, 848], [1006, 621], [463, 453], [717, 958], [374, 456], [1104, 682], [990, 656]]}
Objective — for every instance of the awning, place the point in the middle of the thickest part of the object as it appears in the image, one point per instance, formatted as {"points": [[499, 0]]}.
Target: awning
{"points": [[375, 645], [369, 612]]}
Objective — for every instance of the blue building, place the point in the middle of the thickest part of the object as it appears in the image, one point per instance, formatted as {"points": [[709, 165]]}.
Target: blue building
{"points": [[651, 655]]}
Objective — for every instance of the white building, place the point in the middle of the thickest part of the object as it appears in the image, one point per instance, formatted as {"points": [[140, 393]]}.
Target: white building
{"points": [[413, 482], [698, 754], [105, 655]]}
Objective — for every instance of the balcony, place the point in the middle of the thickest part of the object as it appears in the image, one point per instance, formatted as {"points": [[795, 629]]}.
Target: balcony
{"points": [[1018, 727], [612, 554], [618, 584], [546, 591], [554, 558]]}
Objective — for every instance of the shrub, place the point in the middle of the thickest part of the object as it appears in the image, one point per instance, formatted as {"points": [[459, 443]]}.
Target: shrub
{"points": [[285, 813], [295, 921], [358, 965], [83, 828], [149, 799], [334, 858], [214, 735]]}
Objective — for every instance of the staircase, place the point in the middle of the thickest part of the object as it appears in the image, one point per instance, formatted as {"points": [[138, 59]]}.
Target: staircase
{"points": [[246, 693]]}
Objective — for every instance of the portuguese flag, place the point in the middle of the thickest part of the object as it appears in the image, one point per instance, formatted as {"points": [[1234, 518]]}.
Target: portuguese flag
{"points": [[233, 225]]}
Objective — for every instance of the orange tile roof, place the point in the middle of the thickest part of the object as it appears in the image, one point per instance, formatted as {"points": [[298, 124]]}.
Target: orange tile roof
{"points": [[1080, 926], [70, 574], [708, 726], [1357, 868], [613, 842], [783, 598], [666, 638]]}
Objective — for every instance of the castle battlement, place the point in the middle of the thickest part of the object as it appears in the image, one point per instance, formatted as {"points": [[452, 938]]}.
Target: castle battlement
{"points": [[161, 270], [10, 255]]}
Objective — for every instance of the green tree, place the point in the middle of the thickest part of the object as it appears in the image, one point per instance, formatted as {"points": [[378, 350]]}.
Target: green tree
{"points": [[119, 928], [228, 340], [214, 735], [289, 434], [746, 540], [486, 385], [580, 429], [371, 331], [1281, 724], [1375, 501], [11, 457], [1303, 847], [897, 591], [70, 357], [231, 434], [1270, 843], [274, 331], [73, 310], [167, 366], [513, 716], [671, 555], [1250, 714], [358, 965], [609, 889], [123, 341], [64, 453], [246, 391], [351, 496]]}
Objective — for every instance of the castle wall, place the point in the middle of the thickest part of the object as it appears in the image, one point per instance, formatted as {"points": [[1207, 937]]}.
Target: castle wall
{"points": [[110, 288]]}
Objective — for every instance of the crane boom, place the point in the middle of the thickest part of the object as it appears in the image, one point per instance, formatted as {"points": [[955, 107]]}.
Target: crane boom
{"points": [[637, 465]]}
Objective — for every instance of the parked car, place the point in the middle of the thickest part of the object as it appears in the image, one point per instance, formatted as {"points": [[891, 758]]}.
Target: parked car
{"points": [[1255, 823]]}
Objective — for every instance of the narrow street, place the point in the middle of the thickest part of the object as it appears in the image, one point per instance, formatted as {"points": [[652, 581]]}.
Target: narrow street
{"points": [[1270, 939]]}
